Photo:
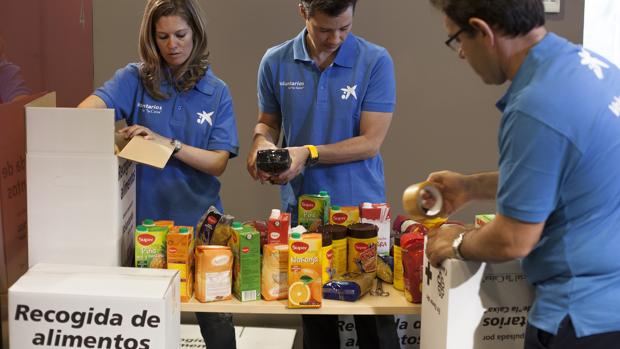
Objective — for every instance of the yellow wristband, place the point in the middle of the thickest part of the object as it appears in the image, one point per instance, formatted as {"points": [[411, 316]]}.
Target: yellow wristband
{"points": [[314, 152], [313, 159]]}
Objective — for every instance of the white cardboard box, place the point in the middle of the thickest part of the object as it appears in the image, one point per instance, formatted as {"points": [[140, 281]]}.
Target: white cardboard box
{"points": [[474, 305], [81, 197], [72, 306]]}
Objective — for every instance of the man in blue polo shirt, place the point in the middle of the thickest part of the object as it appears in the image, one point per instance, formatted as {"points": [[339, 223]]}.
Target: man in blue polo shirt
{"points": [[557, 189], [331, 95]]}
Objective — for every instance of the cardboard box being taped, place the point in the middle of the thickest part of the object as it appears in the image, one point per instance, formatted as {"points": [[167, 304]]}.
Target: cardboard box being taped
{"points": [[468, 305]]}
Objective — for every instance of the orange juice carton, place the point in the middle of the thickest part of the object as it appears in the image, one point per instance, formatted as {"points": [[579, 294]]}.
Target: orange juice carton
{"points": [[150, 246], [278, 226], [313, 210], [180, 256], [482, 219], [379, 215], [164, 223], [245, 246], [274, 273], [344, 215], [214, 265], [304, 270]]}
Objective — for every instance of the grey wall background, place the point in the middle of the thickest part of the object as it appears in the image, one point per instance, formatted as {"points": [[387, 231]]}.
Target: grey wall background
{"points": [[445, 116]]}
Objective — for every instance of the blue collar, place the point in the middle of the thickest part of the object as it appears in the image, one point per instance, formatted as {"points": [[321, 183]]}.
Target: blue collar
{"points": [[204, 85], [346, 53], [538, 53]]}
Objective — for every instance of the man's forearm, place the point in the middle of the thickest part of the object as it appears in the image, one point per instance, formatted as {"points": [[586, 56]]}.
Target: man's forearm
{"points": [[352, 149], [483, 186], [265, 135]]}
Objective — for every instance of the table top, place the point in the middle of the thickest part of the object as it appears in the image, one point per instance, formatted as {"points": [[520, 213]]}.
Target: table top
{"points": [[395, 303]]}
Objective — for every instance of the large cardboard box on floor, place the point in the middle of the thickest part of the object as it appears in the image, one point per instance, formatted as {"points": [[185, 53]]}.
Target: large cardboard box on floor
{"points": [[76, 306], [467, 305], [81, 196]]}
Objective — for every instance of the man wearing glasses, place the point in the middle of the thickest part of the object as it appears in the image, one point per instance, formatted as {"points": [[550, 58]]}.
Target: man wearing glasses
{"points": [[558, 187]]}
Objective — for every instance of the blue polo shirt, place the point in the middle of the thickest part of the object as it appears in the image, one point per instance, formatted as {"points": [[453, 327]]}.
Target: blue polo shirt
{"points": [[324, 107], [559, 142], [202, 117]]}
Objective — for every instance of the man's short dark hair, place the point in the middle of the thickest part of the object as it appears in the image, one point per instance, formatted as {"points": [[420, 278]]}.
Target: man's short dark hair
{"points": [[332, 8], [512, 17]]}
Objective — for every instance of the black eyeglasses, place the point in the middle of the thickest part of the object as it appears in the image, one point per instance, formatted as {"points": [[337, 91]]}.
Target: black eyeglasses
{"points": [[452, 43]]}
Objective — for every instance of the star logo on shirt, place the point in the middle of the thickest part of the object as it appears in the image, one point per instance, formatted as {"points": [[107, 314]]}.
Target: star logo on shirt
{"points": [[204, 116], [595, 64], [348, 92], [615, 106]]}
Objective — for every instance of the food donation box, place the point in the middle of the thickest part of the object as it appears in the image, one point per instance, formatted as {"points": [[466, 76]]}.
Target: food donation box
{"points": [[71, 306], [81, 180], [474, 305]]}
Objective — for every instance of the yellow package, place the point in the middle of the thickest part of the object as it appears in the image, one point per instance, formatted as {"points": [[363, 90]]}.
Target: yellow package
{"points": [[180, 256], [344, 215]]}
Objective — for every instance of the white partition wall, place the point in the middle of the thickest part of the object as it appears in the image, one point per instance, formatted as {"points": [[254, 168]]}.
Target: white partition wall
{"points": [[601, 30]]}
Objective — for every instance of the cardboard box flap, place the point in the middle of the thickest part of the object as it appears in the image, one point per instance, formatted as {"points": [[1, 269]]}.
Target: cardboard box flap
{"points": [[46, 100], [139, 149], [96, 281], [69, 130]]}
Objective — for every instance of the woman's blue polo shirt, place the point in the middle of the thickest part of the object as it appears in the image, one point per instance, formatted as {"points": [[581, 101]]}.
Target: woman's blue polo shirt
{"points": [[202, 117]]}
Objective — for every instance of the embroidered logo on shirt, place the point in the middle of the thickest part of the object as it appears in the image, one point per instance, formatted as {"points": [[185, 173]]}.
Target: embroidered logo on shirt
{"points": [[293, 85], [615, 106], [204, 116], [348, 92], [150, 108], [595, 64]]}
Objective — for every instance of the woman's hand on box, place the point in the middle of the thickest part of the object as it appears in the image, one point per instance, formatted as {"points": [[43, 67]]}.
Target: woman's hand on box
{"points": [[138, 130]]}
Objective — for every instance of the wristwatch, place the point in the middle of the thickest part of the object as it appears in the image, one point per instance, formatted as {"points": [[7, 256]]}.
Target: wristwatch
{"points": [[456, 245], [176, 144], [313, 158]]}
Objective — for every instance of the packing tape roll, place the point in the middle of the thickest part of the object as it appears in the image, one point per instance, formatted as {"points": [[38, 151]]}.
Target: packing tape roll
{"points": [[413, 199]]}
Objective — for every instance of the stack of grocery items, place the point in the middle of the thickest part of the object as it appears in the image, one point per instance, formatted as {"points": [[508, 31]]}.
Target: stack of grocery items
{"points": [[336, 252]]}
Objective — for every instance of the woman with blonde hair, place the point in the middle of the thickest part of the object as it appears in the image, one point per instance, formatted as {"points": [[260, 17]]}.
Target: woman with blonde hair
{"points": [[172, 96]]}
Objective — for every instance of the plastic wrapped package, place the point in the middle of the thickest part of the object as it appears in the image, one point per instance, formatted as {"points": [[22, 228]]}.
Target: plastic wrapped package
{"points": [[348, 287], [385, 267], [273, 161]]}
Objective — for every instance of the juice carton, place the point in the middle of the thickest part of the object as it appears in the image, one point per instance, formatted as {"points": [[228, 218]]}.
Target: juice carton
{"points": [[313, 210], [482, 219], [180, 256], [274, 274], [278, 225], [150, 246], [304, 271], [344, 215], [165, 223], [245, 246], [379, 215]]}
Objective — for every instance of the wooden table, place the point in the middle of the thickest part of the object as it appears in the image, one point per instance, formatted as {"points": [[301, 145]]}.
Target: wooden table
{"points": [[395, 303]]}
